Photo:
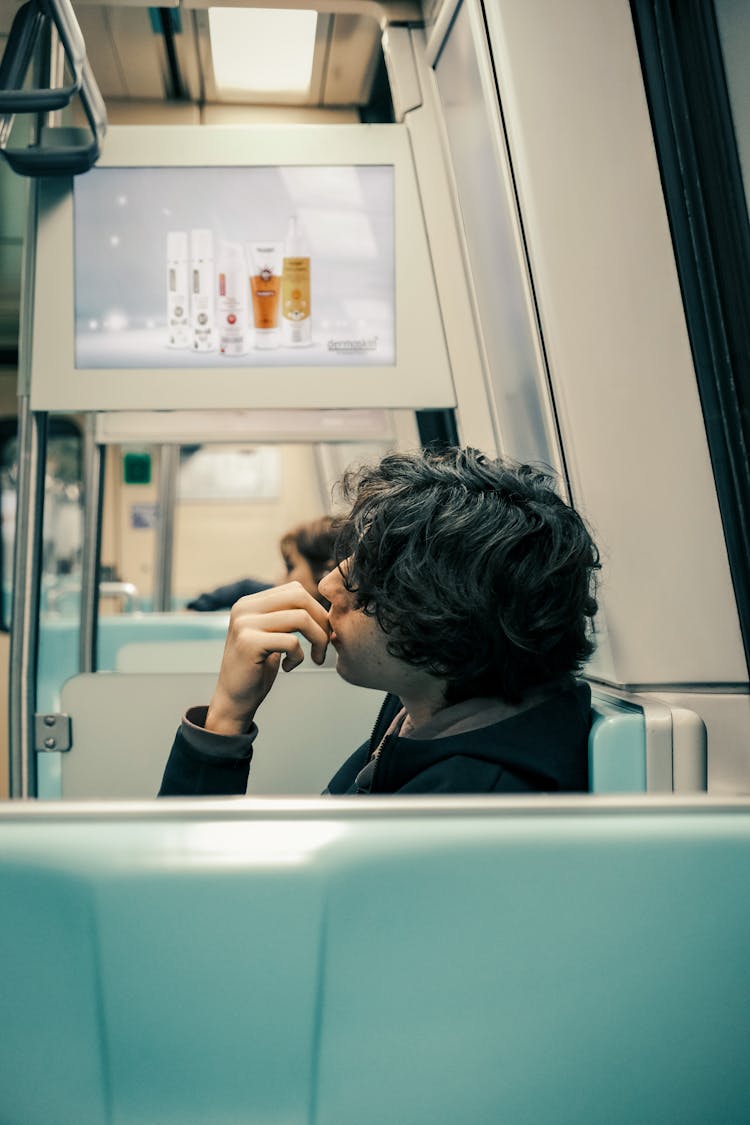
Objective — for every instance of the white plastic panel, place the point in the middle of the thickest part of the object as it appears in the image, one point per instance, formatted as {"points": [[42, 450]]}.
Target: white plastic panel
{"points": [[474, 414], [354, 37], [727, 720], [615, 336], [186, 426], [689, 745], [494, 248], [398, 52], [126, 54], [276, 115], [124, 724]]}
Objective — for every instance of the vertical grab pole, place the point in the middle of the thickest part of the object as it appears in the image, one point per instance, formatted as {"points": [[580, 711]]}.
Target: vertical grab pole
{"points": [[93, 493], [29, 535], [27, 568], [27, 556], [169, 460]]}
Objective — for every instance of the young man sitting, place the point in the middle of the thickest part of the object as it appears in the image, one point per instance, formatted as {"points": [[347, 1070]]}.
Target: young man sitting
{"points": [[465, 591]]}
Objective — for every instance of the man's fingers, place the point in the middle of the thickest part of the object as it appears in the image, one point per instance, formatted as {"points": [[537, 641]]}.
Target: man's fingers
{"points": [[292, 595], [263, 635], [286, 645], [289, 621]]}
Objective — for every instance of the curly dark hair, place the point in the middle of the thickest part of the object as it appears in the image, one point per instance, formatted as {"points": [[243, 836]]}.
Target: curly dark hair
{"points": [[476, 569]]}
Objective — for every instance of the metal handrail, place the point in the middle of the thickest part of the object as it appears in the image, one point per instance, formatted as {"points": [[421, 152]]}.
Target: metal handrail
{"points": [[128, 591], [24, 34], [74, 157], [59, 151]]}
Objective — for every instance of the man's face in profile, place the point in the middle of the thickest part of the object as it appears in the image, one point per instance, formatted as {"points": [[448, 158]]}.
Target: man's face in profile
{"points": [[361, 647], [360, 643]]}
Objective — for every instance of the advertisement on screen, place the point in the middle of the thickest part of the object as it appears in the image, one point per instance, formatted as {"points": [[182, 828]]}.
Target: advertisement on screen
{"points": [[204, 267]]}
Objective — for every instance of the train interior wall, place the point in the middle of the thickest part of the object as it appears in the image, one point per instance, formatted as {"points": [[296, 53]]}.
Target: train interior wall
{"points": [[592, 960], [601, 383]]}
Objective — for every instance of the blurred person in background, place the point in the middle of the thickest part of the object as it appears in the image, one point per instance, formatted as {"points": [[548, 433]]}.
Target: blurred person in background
{"points": [[308, 554]]}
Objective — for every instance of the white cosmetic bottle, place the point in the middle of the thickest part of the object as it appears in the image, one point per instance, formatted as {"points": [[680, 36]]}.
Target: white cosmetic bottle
{"points": [[295, 288], [203, 290], [233, 288], [178, 315]]}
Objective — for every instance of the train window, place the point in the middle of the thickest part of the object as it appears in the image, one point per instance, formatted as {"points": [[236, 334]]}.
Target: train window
{"points": [[494, 246], [229, 473], [733, 19], [231, 504], [693, 59], [63, 519], [224, 523]]}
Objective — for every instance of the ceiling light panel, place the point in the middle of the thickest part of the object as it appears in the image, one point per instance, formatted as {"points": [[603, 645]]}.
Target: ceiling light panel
{"points": [[262, 51]]}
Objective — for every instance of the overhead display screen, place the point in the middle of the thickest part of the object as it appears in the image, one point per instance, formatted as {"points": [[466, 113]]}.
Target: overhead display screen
{"points": [[238, 267], [234, 267]]}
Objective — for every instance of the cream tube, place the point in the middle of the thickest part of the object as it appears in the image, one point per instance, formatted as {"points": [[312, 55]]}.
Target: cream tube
{"points": [[264, 260]]}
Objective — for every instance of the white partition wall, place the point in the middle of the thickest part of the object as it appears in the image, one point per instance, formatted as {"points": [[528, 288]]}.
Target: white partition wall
{"points": [[507, 327], [124, 724]]}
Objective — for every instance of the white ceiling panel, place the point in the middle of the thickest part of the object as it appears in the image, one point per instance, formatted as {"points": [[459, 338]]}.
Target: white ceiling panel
{"points": [[101, 51], [140, 51], [352, 60]]}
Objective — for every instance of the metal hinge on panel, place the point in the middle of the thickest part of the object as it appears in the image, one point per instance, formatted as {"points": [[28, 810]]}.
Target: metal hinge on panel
{"points": [[52, 733]]}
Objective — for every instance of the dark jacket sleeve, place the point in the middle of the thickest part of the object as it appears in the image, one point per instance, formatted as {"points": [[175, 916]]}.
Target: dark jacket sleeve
{"points": [[190, 773], [224, 597]]}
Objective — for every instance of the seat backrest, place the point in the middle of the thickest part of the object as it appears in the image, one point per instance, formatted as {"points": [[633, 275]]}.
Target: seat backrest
{"points": [[617, 746], [639, 743], [545, 960], [124, 723], [123, 728], [58, 644]]}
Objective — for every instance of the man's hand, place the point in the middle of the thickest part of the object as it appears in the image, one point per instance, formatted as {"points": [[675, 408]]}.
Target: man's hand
{"points": [[261, 637]]}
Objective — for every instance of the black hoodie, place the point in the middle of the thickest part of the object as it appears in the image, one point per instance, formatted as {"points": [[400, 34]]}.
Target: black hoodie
{"points": [[542, 749]]}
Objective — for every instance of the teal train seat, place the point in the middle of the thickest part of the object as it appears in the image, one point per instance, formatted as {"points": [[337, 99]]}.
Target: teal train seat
{"points": [[123, 724], [639, 744], [174, 642], [561, 961], [58, 643], [617, 746]]}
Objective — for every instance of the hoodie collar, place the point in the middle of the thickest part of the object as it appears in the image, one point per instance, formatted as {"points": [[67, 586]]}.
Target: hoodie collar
{"points": [[544, 740]]}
